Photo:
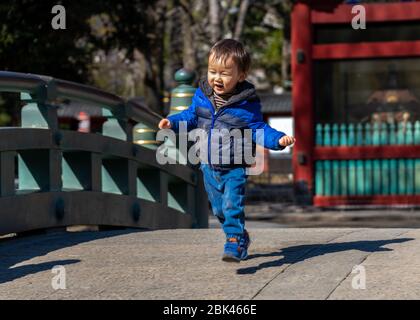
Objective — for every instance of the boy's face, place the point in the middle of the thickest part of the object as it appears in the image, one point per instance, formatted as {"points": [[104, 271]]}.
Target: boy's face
{"points": [[223, 75]]}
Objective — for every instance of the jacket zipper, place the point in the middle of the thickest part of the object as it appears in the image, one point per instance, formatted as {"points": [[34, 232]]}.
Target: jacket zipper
{"points": [[213, 119], [214, 115]]}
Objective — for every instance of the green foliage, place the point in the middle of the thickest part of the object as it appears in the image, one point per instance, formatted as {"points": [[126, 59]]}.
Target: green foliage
{"points": [[272, 56], [5, 119], [265, 44], [134, 27]]}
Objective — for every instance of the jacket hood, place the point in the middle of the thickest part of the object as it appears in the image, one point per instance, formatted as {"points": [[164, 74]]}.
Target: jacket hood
{"points": [[244, 90]]}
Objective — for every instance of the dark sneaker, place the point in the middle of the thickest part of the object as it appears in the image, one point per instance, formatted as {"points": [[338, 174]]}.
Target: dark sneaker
{"points": [[232, 252], [244, 243], [236, 249]]}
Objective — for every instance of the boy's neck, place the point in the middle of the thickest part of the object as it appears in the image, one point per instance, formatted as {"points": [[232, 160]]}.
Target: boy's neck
{"points": [[221, 99], [243, 90], [225, 95]]}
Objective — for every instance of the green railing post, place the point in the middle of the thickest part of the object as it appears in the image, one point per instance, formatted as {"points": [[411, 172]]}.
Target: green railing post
{"points": [[367, 164], [393, 177], [145, 136], [400, 134], [327, 135], [352, 177], [181, 98], [376, 135], [368, 169], [417, 175], [343, 178], [392, 134], [343, 135], [335, 178], [385, 190], [376, 177], [384, 134], [360, 178], [402, 181], [417, 133], [318, 135], [409, 138], [319, 178], [335, 141], [410, 176], [359, 134], [384, 140], [327, 178], [344, 188], [368, 134], [351, 136]]}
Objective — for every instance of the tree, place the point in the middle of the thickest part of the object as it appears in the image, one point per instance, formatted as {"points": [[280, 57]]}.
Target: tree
{"points": [[29, 44], [241, 19], [264, 27], [139, 25], [267, 32], [133, 47]]}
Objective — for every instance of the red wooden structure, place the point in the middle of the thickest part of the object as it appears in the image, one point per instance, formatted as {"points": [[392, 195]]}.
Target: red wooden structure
{"points": [[307, 16]]}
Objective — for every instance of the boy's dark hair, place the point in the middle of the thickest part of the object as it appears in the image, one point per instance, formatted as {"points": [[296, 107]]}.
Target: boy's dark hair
{"points": [[230, 48]]}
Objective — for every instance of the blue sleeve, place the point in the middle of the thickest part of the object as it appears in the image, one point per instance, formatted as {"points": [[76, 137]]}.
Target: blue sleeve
{"points": [[189, 116], [266, 136]]}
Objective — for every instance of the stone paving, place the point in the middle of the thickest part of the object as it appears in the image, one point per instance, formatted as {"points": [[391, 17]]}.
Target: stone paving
{"points": [[284, 263]]}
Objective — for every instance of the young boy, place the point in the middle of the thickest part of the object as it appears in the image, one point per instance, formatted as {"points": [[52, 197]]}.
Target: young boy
{"points": [[225, 100]]}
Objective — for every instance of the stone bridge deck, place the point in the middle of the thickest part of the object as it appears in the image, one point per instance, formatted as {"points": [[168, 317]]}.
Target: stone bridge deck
{"points": [[185, 264]]}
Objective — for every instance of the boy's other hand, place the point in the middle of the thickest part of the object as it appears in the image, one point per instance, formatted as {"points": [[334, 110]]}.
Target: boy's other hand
{"points": [[165, 124], [286, 141]]}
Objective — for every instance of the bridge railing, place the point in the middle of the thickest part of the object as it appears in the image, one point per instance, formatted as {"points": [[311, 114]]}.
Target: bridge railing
{"points": [[51, 177], [375, 164]]}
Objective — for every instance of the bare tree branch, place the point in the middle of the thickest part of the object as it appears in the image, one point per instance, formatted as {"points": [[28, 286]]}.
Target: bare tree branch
{"points": [[214, 10], [241, 19], [225, 12]]}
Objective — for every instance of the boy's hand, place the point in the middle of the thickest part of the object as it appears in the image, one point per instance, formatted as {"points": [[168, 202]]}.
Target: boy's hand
{"points": [[286, 141], [165, 124]]}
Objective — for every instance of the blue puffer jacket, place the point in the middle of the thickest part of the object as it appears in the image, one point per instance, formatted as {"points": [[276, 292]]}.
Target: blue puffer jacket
{"points": [[242, 111]]}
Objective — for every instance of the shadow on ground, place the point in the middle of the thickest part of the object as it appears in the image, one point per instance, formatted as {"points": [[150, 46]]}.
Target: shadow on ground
{"points": [[13, 252], [299, 253]]}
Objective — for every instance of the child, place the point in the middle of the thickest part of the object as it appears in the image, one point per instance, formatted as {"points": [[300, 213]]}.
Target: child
{"points": [[225, 100]]}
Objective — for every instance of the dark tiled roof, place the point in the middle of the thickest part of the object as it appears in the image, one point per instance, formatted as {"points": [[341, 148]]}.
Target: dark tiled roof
{"points": [[72, 110], [276, 103], [270, 102]]}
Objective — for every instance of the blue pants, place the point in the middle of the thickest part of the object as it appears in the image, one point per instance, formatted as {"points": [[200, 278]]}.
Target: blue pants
{"points": [[226, 193]]}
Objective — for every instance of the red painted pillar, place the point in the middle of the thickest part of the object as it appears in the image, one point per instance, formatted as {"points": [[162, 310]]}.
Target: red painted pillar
{"points": [[302, 95]]}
